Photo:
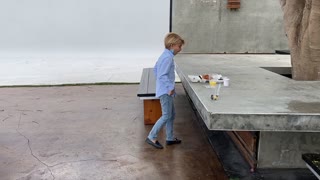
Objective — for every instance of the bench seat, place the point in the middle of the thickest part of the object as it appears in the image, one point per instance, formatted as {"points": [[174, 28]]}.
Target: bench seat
{"points": [[147, 93]]}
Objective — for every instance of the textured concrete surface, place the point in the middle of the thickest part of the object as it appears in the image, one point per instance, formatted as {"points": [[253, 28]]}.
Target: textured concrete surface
{"points": [[236, 166], [209, 27], [284, 149], [257, 99], [95, 132]]}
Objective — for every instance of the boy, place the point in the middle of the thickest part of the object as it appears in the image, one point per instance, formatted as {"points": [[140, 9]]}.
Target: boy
{"points": [[165, 80]]}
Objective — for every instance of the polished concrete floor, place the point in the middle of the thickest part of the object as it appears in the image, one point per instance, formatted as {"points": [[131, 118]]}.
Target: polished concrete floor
{"points": [[95, 132]]}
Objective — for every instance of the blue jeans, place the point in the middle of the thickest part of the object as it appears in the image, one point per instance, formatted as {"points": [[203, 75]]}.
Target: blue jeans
{"points": [[168, 115]]}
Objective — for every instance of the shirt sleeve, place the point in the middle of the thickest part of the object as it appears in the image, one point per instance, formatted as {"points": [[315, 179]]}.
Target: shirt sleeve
{"points": [[164, 70]]}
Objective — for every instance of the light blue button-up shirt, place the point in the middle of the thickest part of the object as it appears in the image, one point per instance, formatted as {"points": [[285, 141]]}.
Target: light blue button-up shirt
{"points": [[164, 73]]}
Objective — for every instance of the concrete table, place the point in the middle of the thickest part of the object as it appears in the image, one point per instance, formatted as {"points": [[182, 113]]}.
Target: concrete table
{"points": [[284, 111]]}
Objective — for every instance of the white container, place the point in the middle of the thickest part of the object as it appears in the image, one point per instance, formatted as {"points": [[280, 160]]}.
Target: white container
{"points": [[194, 78], [226, 81]]}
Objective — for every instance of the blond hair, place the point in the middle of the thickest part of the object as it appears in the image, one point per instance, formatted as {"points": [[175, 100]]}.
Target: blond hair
{"points": [[172, 39]]}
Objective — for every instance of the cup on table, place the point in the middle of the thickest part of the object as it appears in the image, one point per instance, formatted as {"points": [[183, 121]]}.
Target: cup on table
{"points": [[226, 81], [212, 82]]}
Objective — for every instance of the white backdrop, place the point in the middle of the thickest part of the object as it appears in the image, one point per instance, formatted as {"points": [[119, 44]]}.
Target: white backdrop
{"points": [[60, 30], [82, 25]]}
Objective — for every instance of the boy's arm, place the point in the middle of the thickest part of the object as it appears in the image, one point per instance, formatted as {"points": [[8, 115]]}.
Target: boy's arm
{"points": [[164, 70]]}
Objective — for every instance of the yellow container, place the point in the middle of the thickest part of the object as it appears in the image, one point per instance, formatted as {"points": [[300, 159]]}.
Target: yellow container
{"points": [[212, 83]]}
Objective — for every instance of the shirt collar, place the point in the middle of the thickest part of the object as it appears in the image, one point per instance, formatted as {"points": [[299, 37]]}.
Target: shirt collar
{"points": [[169, 52]]}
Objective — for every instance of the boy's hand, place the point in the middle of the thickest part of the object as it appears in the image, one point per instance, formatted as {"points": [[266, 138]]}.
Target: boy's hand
{"points": [[171, 92]]}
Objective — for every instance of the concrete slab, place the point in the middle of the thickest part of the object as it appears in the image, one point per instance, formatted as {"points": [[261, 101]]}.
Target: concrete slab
{"points": [[75, 68], [95, 132], [257, 99]]}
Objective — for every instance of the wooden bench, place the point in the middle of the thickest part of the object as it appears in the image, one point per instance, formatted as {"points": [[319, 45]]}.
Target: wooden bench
{"points": [[313, 163], [147, 93], [246, 142]]}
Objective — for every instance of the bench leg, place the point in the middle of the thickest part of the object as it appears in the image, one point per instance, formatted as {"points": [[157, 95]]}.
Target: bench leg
{"points": [[152, 111]]}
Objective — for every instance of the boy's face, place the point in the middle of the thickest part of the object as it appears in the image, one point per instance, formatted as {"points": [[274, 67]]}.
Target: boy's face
{"points": [[177, 48]]}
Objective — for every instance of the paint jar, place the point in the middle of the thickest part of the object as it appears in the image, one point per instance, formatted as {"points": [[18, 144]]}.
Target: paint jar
{"points": [[212, 82], [226, 81]]}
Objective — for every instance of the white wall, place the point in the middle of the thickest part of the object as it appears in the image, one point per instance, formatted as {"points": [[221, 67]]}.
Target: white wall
{"points": [[57, 27], [79, 41]]}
